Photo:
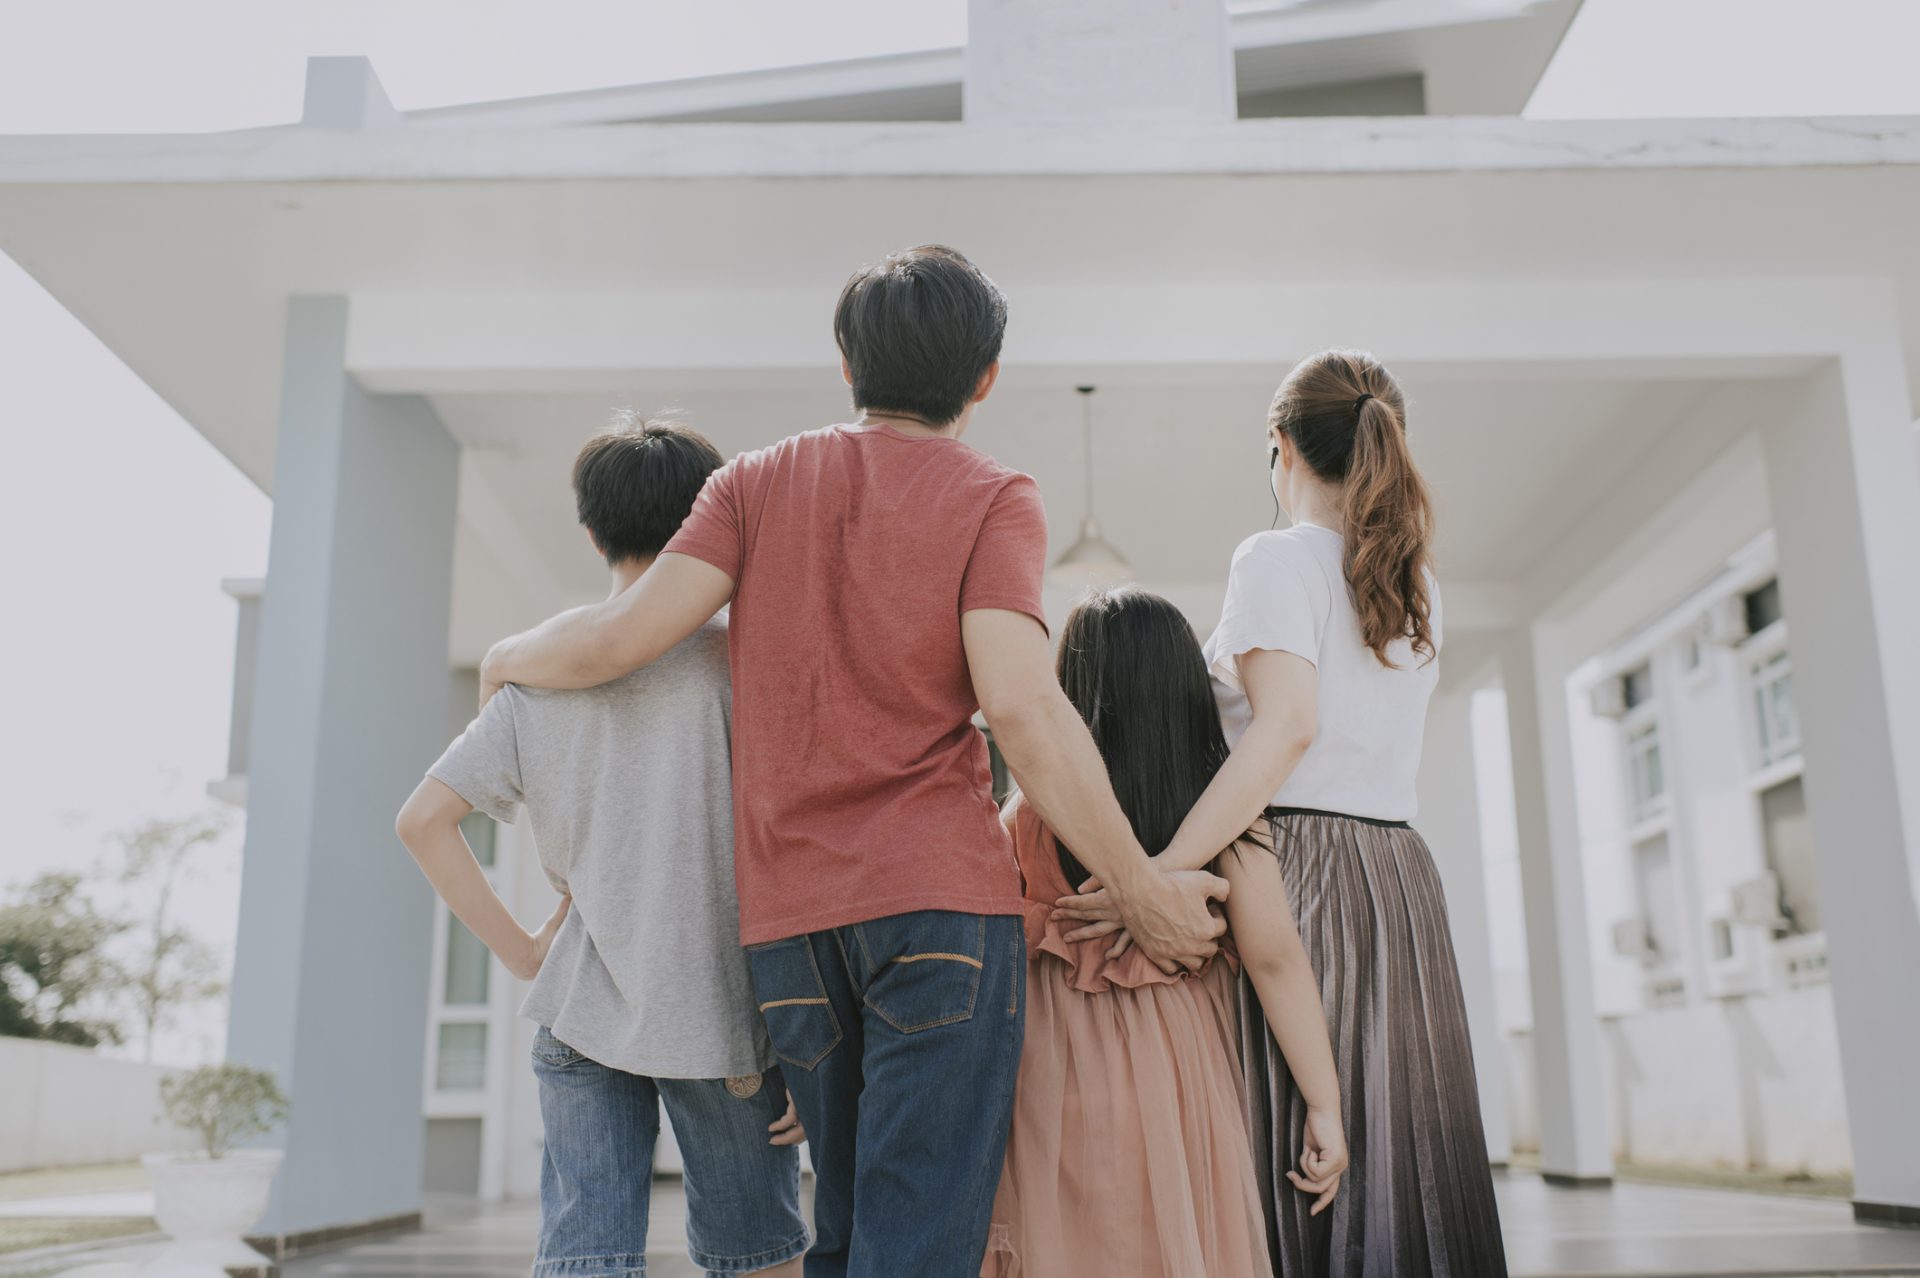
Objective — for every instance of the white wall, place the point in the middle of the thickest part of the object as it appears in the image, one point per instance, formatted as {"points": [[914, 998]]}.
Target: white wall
{"points": [[1737, 1082], [70, 1106]]}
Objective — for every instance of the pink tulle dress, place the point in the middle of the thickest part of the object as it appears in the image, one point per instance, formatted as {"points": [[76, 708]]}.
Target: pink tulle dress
{"points": [[1129, 1154]]}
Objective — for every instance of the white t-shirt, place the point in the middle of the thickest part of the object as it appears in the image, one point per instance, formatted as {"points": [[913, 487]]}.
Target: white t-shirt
{"points": [[1287, 591]]}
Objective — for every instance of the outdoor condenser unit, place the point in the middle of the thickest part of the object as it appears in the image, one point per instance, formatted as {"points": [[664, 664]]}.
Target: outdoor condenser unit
{"points": [[1630, 939], [1757, 901], [1726, 622], [1609, 697]]}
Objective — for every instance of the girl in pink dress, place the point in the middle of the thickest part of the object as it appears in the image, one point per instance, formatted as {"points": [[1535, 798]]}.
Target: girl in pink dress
{"points": [[1129, 1152]]}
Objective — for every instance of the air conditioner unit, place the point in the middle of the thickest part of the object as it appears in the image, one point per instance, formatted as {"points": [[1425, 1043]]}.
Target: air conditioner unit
{"points": [[1757, 901], [1726, 622], [1734, 974], [1608, 698], [1630, 939]]}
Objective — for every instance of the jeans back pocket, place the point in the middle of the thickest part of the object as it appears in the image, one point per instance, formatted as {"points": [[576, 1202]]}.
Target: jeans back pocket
{"points": [[924, 968], [550, 1053], [793, 999]]}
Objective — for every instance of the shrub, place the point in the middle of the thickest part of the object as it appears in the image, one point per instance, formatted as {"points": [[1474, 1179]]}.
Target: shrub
{"points": [[223, 1103]]}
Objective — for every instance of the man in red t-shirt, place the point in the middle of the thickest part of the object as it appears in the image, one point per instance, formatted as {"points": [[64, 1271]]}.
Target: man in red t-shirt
{"points": [[885, 583]]}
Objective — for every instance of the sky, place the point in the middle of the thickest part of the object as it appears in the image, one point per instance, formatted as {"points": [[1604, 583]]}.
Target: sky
{"points": [[117, 521]]}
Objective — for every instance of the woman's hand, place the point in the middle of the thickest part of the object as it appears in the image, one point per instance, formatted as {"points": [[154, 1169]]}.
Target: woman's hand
{"points": [[1323, 1158], [786, 1129], [1093, 908], [1093, 902], [527, 965]]}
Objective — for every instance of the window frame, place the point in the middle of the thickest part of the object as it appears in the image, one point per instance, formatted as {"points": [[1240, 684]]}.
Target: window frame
{"points": [[1642, 725], [1767, 652], [479, 1101]]}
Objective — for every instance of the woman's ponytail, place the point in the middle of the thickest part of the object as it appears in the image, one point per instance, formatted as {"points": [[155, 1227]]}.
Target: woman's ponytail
{"points": [[1346, 417]]}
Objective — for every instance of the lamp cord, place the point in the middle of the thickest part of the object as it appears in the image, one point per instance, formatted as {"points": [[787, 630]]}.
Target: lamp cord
{"points": [[1086, 436]]}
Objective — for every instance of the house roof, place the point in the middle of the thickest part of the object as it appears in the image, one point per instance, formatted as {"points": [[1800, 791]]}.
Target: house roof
{"points": [[1478, 57]]}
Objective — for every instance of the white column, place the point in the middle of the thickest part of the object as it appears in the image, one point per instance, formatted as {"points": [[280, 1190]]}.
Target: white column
{"points": [[1575, 1146], [330, 977], [1107, 61], [1846, 502], [1449, 820]]}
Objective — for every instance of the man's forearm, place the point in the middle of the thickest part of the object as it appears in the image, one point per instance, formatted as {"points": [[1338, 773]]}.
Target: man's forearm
{"points": [[1052, 756], [586, 647], [572, 650]]}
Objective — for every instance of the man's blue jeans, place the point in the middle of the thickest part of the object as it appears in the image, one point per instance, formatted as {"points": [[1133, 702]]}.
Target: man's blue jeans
{"points": [[900, 1043]]}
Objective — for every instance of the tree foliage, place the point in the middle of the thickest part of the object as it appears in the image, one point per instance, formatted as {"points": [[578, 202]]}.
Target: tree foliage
{"points": [[171, 968], [223, 1103], [57, 979]]}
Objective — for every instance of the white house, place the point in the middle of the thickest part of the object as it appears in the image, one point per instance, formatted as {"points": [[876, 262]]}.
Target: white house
{"points": [[1700, 870], [1633, 349]]}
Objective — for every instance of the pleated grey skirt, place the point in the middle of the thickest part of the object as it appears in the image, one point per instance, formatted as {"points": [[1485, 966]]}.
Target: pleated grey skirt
{"points": [[1418, 1194]]}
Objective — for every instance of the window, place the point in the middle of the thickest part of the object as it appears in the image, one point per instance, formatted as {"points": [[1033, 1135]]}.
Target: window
{"points": [[1693, 653], [1646, 774], [1763, 607], [468, 966], [1789, 845], [461, 1063], [463, 990], [1659, 896], [1775, 724], [1636, 686]]}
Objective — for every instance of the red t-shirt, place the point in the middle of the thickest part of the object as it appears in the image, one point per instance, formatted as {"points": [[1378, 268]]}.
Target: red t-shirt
{"points": [[861, 787]]}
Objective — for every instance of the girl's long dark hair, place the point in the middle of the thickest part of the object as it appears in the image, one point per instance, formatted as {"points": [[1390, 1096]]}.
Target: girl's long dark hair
{"points": [[1132, 667]]}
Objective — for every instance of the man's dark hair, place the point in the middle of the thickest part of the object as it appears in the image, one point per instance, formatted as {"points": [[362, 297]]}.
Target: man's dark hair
{"points": [[635, 483], [918, 332]]}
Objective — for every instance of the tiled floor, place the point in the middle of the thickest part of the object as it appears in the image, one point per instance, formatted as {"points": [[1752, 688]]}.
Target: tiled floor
{"points": [[1642, 1231], [1629, 1231], [1648, 1230]]}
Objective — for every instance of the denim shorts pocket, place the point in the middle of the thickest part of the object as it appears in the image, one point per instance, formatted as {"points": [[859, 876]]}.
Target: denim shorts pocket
{"points": [[926, 967], [793, 999]]}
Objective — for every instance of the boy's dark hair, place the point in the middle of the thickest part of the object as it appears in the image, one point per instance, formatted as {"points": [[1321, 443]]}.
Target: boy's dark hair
{"points": [[918, 332], [634, 484]]}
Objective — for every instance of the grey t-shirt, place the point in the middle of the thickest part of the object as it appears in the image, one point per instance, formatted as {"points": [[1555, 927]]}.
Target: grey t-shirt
{"points": [[630, 789]]}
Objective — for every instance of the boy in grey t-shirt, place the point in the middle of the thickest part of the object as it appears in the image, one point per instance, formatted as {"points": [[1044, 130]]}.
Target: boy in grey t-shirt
{"points": [[640, 986]]}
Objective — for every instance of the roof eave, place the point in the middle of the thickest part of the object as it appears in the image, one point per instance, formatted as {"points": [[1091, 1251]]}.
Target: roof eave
{"points": [[739, 151]]}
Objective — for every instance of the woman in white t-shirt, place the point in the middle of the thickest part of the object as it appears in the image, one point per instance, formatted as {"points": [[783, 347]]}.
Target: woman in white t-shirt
{"points": [[1322, 664]]}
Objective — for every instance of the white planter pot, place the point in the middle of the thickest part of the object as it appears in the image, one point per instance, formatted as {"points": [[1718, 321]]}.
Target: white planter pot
{"points": [[205, 1205]]}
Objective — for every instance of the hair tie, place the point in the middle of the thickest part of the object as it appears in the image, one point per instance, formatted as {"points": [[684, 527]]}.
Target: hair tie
{"points": [[1360, 403]]}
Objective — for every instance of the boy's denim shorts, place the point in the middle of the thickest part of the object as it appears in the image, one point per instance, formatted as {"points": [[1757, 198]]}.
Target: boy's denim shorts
{"points": [[596, 1179]]}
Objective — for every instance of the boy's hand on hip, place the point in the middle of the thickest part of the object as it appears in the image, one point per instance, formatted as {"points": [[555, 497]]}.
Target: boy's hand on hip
{"points": [[528, 965], [786, 1129]]}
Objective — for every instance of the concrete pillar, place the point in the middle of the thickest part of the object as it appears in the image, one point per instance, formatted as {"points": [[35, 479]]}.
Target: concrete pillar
{"points": [[350, 706], [1846, 501], [1449, 820], [1105, 61], [1575, 1147]]}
